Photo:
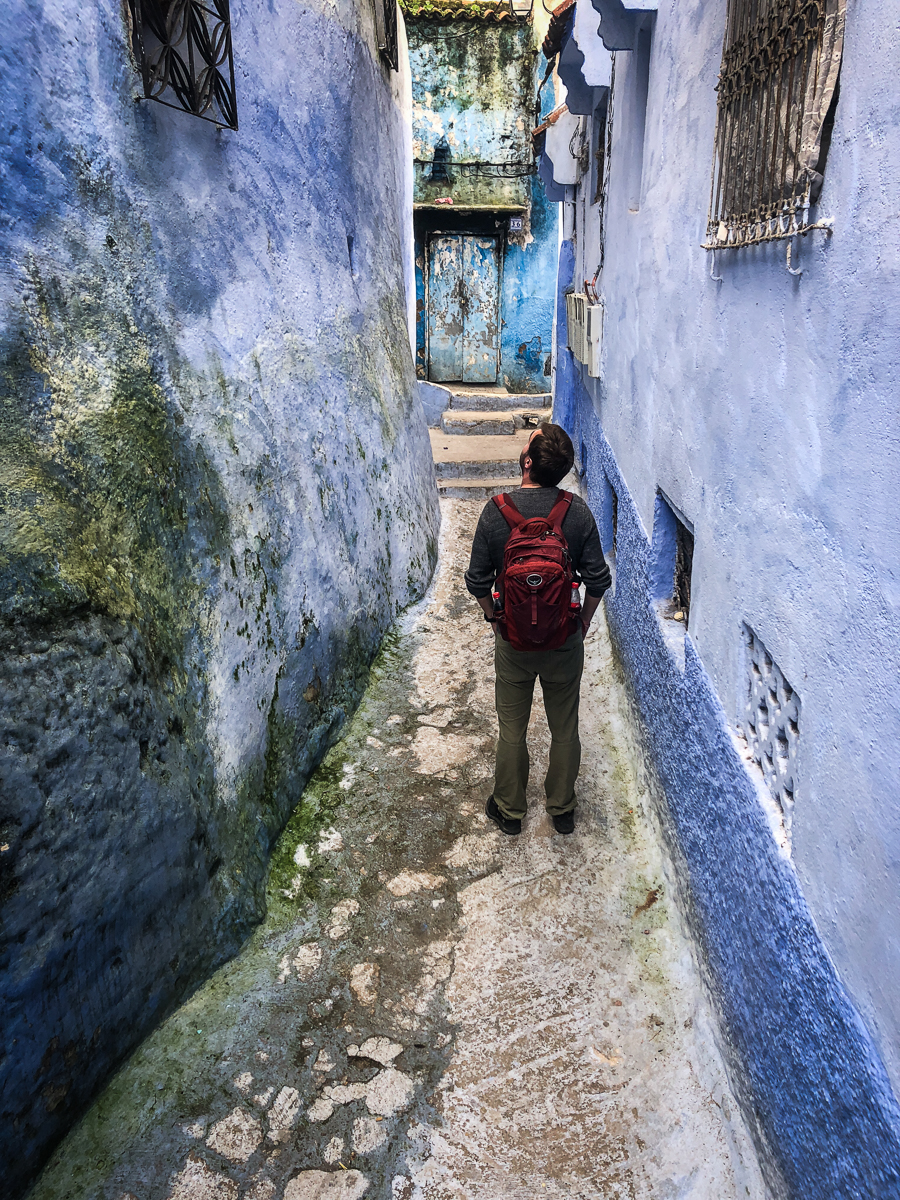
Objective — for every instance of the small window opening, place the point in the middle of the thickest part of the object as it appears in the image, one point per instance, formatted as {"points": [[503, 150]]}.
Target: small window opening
{"points": [[608, 516], [601, 114], [777, 95], [440, 163], [671, 562], [386, 32], [684, 561]]}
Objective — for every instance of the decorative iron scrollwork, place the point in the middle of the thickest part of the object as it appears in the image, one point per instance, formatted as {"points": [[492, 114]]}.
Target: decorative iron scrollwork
{"points": [[780, 66], [183, 50]]}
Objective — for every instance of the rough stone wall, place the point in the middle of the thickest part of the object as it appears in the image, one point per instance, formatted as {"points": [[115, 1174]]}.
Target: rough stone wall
{"points": [[758, 403], [216, 493]]}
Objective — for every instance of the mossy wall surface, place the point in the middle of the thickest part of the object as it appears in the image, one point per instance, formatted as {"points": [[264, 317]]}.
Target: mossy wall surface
{"points": [[216, 493], [473, 83]]}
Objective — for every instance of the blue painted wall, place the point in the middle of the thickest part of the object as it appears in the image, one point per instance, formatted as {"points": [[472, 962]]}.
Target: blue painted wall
{"points": [[529, 278], [763, 407], [217, 492]]}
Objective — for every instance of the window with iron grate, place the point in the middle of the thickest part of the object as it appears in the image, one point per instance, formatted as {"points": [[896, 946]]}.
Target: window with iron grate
{"points": [[780, 66], [386, 31], [771, 725], [183, 51]]}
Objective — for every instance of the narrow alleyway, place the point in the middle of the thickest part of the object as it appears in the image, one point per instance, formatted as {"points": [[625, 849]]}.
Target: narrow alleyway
{"points": [[432, 1010]]}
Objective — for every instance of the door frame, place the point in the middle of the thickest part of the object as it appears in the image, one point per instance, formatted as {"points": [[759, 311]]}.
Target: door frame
{"points": [[479, 224], [500, 238]]}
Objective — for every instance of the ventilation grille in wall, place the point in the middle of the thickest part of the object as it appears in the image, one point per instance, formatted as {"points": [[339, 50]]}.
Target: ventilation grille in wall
{"points": [[183, 51], [771, 725]]}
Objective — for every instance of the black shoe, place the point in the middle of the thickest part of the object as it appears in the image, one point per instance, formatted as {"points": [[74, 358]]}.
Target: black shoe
{"points": [[565, 822], [510, 825]]}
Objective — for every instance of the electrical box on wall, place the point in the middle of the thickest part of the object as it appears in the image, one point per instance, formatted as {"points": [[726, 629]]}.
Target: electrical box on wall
{"points": [[576, 303], [593, 336]]}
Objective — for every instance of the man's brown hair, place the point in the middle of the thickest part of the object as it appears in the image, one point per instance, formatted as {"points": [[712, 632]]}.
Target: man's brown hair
{"points": [[552, 455]]}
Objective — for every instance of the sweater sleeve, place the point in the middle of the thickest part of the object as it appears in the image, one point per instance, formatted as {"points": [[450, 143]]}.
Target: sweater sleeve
{"points": [[481, 573], [592, 565]]}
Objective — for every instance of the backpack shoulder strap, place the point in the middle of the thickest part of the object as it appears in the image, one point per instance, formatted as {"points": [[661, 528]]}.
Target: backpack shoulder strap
{"points": [[559, 510], [513, 517]]}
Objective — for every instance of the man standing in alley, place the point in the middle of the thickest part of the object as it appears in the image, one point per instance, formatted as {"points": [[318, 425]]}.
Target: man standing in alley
{"points": [[528, 545]]}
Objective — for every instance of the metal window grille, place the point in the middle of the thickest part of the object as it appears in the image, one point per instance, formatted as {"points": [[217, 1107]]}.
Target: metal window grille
{"points": [[780, 66], [386, 31], [183, 51]]}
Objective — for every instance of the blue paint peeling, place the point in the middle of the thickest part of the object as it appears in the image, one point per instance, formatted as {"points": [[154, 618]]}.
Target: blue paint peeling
{"points": [[486, 117]]}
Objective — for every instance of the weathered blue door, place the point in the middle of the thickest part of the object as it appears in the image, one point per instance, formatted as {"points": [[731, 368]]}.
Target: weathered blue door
{"points": [[463, 302]]}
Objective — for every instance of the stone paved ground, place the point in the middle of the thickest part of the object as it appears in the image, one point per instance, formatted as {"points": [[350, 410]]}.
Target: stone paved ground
{"points": [[433, 1011]]}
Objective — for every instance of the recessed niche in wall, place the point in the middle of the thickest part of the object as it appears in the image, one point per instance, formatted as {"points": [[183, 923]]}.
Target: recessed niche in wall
{"points": [[770, 722], [671, 565], [636, 128], [609, 516], [671, 562]]}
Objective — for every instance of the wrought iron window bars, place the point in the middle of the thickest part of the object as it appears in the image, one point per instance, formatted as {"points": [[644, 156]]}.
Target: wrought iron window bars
{"points": [[780, 66], [386, 31], [183, 50]]}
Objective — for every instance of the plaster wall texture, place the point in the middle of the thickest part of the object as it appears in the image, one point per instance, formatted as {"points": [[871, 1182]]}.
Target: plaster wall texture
{"points": [[527, 300], [473, 83], [762, 407], [217, 493]]}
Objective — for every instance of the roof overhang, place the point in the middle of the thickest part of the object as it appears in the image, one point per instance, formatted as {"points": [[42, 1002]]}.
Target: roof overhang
{"points": [[622, 20]]}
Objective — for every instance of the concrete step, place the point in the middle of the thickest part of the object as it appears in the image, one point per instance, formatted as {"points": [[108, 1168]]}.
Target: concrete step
{"points": [[475, 456], [476, 489], [460, 421], [496, 400]]}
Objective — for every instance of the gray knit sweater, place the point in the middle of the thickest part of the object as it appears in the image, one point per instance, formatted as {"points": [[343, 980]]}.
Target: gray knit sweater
{"points": [[580, 531]]}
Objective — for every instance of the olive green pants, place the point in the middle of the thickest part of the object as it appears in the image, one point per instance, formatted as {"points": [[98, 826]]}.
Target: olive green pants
{"points": [[560, 674]]}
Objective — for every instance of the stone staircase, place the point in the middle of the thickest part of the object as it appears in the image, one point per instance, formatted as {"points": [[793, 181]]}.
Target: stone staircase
{"points": [[476, 449]]}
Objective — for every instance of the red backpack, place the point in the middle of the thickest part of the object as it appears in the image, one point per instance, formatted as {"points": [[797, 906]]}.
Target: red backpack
{"points": [[539, 606]]}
